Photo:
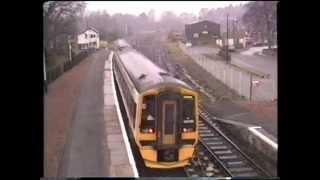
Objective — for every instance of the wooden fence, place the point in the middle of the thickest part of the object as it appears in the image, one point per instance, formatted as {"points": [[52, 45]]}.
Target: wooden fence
{"points": [[56, 71]]}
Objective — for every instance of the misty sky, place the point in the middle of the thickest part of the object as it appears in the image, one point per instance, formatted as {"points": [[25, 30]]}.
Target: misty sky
{"points": [[137, 7]]}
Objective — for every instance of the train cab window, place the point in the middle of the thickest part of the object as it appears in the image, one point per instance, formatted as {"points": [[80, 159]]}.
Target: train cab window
{"points": [[188, 115], [188, 107], [148, 114]]}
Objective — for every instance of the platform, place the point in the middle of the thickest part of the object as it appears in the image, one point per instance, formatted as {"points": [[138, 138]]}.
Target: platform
{"points": [[121, 162]]}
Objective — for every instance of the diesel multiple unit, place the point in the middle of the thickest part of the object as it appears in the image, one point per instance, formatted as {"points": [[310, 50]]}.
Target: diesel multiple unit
{"points": [[162, 111]]}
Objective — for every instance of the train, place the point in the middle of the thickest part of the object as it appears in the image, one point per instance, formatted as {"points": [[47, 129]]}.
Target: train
{"points": [[162, 111]]}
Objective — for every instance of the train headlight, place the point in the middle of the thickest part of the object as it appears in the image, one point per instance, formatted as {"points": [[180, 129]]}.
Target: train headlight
{"points": [[147, 130], [187, 129], [150, 130]]}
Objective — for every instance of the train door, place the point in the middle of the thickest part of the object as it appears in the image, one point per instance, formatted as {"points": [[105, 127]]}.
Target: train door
{"points": [[167, 121], [169, 118]]}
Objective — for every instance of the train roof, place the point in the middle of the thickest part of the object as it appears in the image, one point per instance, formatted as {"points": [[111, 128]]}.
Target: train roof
{"points": [[145, 74]]}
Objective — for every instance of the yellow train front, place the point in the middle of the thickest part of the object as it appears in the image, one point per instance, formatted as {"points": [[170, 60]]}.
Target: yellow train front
{"points": [[162, 110]]}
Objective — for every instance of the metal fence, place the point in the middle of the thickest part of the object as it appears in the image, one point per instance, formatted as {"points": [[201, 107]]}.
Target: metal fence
{"points": [[236, 78], [56, 71]]}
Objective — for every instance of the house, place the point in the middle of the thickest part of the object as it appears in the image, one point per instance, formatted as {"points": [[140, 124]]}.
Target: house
{"points": [[202, 32], [88, 39]]}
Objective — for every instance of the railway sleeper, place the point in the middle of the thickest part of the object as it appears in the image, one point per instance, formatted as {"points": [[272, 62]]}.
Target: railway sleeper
{"points": [[247, 174], [228, 157], [211, 139], [218, 147], [240, 169], [204, 131], [215, 143], [223, 152], [235, 163], [207, 135]]}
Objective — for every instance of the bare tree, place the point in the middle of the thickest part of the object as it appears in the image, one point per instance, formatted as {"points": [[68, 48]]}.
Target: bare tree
{"points": [[151, 15], [187, 18], [261, 18], [60, 21], [171, 21], [203, 14]]}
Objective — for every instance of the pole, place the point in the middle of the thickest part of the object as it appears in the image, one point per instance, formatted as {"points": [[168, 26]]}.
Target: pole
{"points": [[227, 47], [45, 71], [69, 43], [250, 86]]}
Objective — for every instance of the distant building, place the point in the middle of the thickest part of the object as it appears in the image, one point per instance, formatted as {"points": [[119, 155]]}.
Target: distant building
{"points": [[237, 39], [88, 39], [202, 32]]}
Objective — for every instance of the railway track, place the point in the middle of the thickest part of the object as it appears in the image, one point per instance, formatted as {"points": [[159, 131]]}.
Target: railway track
{"points": [[204, 165], [217, 155], [215, 148], [229, 157]]}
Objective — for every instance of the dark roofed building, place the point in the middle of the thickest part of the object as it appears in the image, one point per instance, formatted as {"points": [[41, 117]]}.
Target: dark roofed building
{"points": [[202, 32]]}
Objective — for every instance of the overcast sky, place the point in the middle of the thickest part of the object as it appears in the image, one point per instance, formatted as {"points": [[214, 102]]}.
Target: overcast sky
{"points": [[137, 7]]}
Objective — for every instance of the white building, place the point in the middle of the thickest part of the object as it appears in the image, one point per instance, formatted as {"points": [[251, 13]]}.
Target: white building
{"points": [[89, 39], [231, 42]]}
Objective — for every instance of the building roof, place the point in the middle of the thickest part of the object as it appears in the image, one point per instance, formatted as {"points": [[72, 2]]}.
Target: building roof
{"points": [[88, 28], [204, 21]]}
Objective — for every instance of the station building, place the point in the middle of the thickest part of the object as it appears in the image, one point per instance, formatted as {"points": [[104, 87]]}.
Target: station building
{"points": [[202, 32]]}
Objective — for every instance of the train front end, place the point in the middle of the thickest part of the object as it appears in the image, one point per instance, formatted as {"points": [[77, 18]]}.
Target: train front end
{"points": [[168, 130]]}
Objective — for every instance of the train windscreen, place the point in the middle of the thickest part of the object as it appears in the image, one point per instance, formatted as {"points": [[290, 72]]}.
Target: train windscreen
{"points": [[148, 114], [188, 116]]}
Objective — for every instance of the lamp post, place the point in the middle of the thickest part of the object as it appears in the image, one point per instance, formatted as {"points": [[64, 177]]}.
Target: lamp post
{"points": [[45, 71], [69, 44], [227, 45]]}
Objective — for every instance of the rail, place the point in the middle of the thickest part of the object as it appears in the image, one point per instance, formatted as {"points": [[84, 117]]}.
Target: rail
{"points": [[233, 149]]}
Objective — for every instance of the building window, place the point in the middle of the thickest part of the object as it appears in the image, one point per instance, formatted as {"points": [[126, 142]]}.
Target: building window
{"points": [[195, 35]]}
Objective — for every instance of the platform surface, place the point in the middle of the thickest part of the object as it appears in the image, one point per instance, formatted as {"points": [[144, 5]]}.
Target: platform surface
{"points": [[96, 145], [120, 164]]}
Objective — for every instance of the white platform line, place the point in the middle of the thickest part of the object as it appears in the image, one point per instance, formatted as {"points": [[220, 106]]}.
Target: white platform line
{"points": [[124, 133], [263, 137]]}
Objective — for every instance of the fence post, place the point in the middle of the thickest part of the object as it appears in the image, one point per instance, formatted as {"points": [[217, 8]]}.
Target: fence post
{"points": [[217, 71], [231, 72], [203, 62], [240, 83], [250, 86], [273, 89], [224, 75]]}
